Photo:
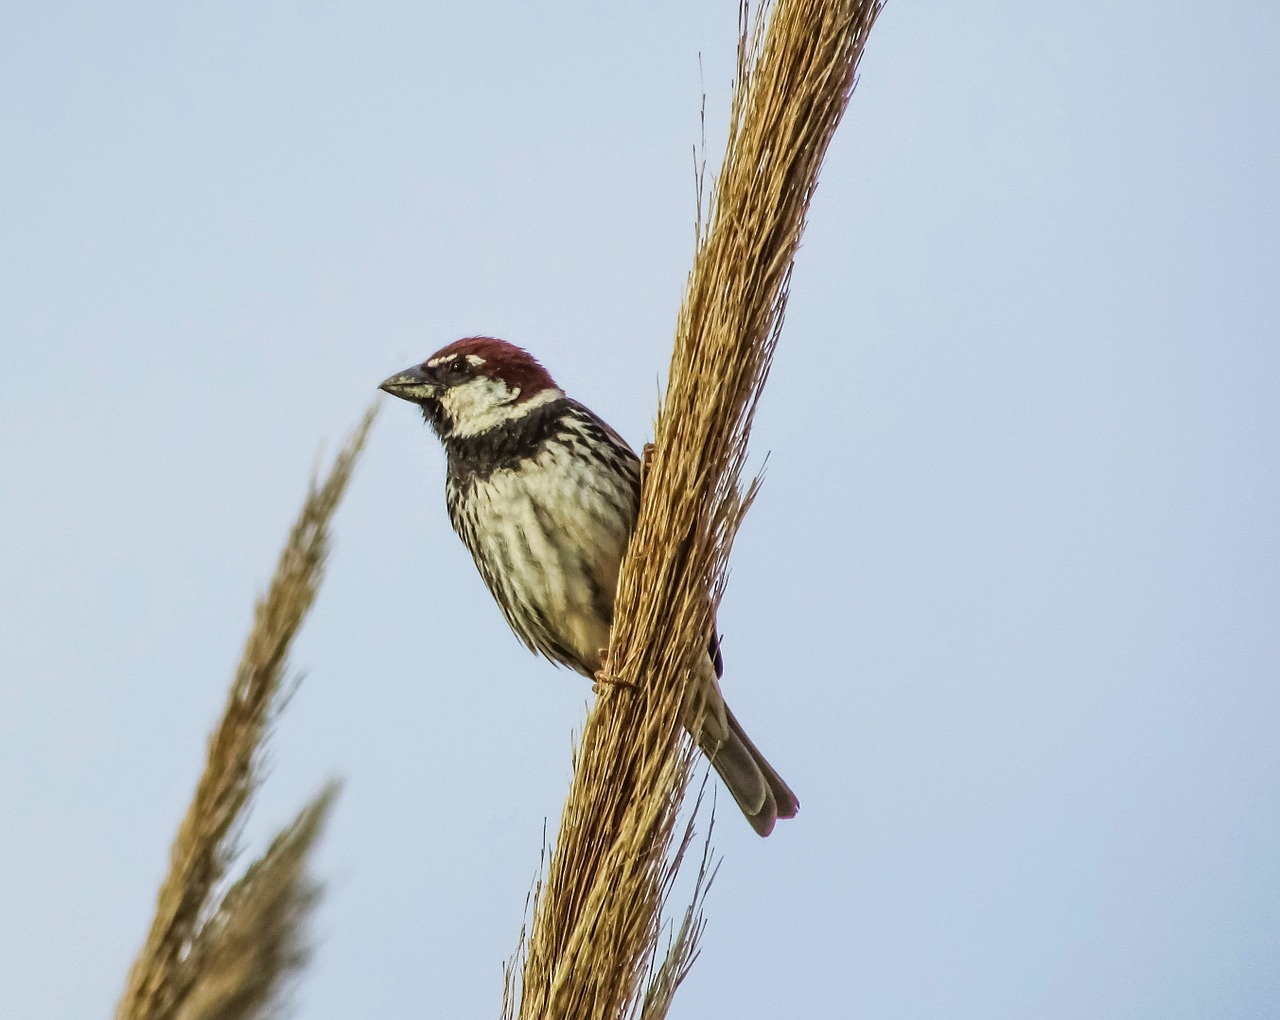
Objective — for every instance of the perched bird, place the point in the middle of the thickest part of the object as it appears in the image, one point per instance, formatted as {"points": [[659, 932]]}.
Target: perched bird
{"points": [[545, 495]]}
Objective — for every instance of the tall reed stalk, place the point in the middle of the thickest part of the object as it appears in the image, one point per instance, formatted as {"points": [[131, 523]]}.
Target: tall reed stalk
{"points": [[597, 916]]}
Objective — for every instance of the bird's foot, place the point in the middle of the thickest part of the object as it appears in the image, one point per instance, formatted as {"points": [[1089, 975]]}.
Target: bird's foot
{"points": [[646, 460], [604, 680]]}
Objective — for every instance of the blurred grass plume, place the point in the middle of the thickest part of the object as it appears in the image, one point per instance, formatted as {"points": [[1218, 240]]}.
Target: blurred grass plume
{"points": [[229, 956]]}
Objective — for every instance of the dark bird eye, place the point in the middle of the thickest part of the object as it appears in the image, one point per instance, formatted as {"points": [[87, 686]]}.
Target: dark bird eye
{"points": [[457, 369]]}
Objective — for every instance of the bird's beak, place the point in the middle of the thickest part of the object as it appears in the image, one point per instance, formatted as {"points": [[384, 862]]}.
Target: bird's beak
{"points": [[411, 384]]}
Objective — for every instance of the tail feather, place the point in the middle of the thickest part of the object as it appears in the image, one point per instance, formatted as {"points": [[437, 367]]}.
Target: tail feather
{"points": [[760, 792]]}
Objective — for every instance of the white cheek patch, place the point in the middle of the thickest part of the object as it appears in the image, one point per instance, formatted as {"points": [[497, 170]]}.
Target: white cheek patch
{"points": [[477, 405], [481, 404]]}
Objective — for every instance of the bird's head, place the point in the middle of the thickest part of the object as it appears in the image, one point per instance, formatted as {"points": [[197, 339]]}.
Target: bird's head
{"points": [[474, 385]]}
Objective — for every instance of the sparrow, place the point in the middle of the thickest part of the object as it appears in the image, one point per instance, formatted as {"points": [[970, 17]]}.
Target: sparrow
{"points": [[545, 496]]}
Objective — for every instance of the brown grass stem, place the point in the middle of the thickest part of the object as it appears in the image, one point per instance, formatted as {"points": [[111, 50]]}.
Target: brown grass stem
{"points": [[597, 915]]}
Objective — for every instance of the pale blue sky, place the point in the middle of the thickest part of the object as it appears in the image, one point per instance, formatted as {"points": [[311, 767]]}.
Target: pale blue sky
{"points": [[1004, 614]]}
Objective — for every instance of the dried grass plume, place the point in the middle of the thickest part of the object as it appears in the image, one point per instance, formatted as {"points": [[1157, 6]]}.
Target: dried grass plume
{"points": [[597, 915], [228, 957]]}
